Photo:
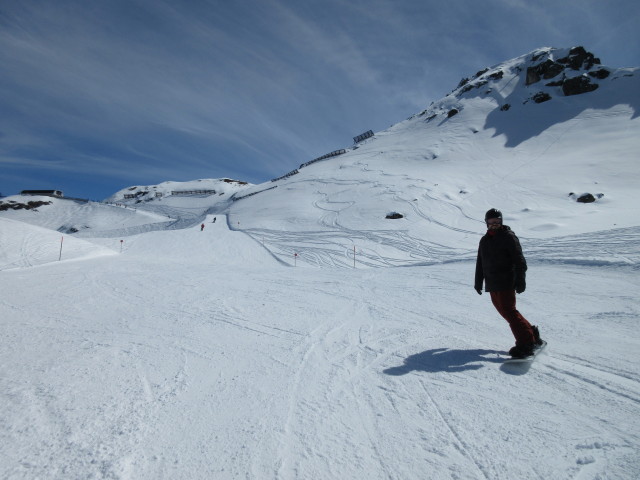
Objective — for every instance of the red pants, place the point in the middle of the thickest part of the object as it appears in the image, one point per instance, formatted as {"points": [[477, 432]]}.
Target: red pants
{"points": [[505, 303]]}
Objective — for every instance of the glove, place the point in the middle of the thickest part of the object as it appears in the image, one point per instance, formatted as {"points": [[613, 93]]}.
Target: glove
{"points": [[479, 290], [520, 287]]}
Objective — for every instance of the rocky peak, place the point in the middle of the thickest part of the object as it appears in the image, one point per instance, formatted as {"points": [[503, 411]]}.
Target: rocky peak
{"points": [[542, 75], [572, 69], [546, 67]]}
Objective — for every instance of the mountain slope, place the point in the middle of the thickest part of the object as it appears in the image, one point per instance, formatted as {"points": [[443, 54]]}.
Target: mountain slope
{"points": [[443, 168]]}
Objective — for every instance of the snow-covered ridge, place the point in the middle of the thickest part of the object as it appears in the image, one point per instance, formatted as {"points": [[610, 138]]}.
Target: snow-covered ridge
{"points": [[130, 211], [203, 187], [78, 217]]}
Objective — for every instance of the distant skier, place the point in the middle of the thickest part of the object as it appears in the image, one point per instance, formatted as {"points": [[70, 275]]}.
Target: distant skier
{"points": [[202, 227], [214, 220], [502, 266]]}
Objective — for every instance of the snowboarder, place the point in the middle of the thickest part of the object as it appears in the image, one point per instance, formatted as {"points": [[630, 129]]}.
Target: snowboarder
{"points": [[202, 227], [502, 266]]}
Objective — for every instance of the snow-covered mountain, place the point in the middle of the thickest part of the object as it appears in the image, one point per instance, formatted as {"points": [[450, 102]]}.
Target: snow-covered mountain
{"points": [[443, 168], [529, 136], [160, 334]]}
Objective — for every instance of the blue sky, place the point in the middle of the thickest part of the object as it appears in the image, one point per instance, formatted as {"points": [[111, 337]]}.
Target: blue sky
{"points": [[99, 95]]}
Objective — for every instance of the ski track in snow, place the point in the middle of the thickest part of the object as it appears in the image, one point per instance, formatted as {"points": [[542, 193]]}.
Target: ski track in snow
{"points": [[276, 372], [290, 373], [335, 248]]}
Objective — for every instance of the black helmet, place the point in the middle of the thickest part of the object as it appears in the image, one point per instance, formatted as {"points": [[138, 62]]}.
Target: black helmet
{"points": [[493, 213]]}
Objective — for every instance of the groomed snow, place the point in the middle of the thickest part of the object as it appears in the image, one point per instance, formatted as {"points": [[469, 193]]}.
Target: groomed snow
{"points": [[25, 245], [195, 354]]}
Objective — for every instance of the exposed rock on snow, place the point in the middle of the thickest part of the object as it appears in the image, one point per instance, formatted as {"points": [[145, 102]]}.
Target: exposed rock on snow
{"points": [[561, 65], [547, 69], [578, 85], [586, 197], [541, 97], [13, 205], [579, 58]]}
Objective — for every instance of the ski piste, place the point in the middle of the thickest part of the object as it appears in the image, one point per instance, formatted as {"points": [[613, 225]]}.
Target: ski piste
{"points": [[530, 358]]}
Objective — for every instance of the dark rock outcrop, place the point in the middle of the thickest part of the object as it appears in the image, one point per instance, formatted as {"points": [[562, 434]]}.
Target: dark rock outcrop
{"points": [[12, 205], [546, 70], [579, 58], [578, 85], [586, 198], [541, 97], [600, 74]]}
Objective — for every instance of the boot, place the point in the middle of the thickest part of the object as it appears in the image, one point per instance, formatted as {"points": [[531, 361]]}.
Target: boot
{"points": [[522, 351], [536, 335]]}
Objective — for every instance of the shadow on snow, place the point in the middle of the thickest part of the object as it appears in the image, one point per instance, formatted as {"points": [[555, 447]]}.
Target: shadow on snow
{"points": [[445, 360]]}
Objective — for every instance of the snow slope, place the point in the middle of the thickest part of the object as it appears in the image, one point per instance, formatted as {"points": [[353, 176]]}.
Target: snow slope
{"points": [[81, 217], [25, 245], [442, 173], [224, 364], [193, 353], [151, 208]]}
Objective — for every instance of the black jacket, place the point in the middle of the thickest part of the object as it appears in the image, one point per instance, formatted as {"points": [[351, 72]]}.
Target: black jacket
{"points": [[500, 263]]}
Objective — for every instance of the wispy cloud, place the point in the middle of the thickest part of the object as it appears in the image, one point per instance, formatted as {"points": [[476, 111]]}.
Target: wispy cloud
{"points": [[253, 87]]}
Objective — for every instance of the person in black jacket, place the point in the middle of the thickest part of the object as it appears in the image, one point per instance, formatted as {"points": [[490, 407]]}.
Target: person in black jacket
{"points": [[502, 267]]}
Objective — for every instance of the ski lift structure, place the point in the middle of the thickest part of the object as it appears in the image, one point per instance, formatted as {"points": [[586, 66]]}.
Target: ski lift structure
{"points": [[363, 136]]}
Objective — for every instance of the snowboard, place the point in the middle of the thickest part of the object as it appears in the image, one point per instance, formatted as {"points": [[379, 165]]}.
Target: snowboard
{"points": [[530, 358]]}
